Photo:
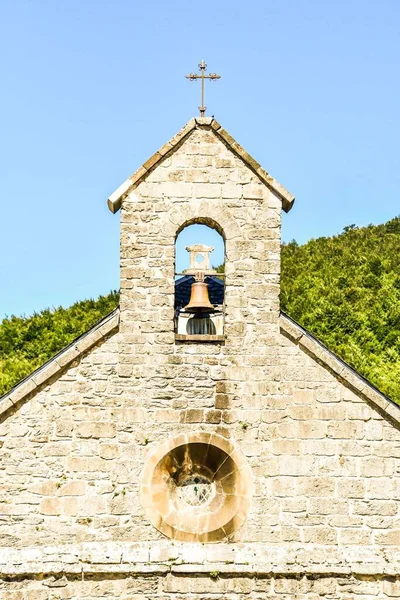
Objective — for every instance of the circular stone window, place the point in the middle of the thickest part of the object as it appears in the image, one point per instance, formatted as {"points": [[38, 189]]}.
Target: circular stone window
{"points": [[196, 487]]}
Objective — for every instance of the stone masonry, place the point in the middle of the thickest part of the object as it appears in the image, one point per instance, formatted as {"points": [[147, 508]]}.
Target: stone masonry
{"points": [[322, 444]]}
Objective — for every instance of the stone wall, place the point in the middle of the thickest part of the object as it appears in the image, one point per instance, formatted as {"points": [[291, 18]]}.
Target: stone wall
{"points": [[324, 520], [325, 463], [172, 587]]}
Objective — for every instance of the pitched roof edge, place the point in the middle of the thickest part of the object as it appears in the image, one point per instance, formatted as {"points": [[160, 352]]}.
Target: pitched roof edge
{"points": [[114, 201], [286, 197], [340, 369], [59, 362]]}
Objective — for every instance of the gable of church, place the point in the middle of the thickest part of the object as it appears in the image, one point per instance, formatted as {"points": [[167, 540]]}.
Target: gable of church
{"points": [[258, 464]]}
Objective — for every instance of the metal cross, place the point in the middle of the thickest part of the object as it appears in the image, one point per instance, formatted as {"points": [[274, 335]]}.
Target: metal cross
{"points": [[202, 76]]}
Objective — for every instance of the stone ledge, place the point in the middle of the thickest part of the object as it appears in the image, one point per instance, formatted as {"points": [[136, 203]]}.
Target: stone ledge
{"points": [[180, 337], [341, 370], [56, 365], [185, 558]]}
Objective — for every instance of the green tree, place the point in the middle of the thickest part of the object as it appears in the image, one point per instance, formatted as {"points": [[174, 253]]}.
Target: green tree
{"points": [[346, 291], [28, 342]]}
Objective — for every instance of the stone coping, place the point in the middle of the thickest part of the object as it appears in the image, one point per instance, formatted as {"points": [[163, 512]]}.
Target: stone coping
{"points": [[237, 559], [60, 362], [114, 201], [339, 368]]}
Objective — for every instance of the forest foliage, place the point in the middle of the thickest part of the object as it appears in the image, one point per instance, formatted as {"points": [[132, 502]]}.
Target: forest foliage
{"points": [[344, 289], [27, 342]]}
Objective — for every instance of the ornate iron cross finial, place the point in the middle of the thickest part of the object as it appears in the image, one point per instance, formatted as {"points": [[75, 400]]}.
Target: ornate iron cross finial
{"points": [[202, 76]]}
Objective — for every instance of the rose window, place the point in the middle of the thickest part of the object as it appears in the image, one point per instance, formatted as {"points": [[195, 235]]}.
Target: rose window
{"points": [[196, 490], [196, 487]]}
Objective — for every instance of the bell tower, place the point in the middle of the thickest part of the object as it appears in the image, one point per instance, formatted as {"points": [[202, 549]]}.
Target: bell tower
{"points": [[197, 483], [203, 176]]}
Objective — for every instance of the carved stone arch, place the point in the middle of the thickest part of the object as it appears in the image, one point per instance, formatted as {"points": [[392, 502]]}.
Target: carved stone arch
{"points": [[206, 325], [205, 213]]}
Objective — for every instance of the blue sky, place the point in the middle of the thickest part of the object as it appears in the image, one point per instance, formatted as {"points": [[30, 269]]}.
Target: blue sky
{"points": [[90, 89]]}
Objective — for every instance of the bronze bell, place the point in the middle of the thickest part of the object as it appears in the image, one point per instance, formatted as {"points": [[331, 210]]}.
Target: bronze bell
{"points": [[199, 300]]}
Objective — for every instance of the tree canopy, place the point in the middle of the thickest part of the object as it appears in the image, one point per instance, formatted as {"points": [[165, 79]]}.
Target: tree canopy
{"points": [[344, 289], [27, 342]]}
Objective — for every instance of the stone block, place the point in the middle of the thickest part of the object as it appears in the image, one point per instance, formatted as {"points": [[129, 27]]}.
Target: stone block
{"points": [[176, 585], [73, 488], [392, 588], [391, 538], [192, 415], [375, 507], [96, 430], [315, 486], [355, 536], [350, 488], [87, 464], [50, 506], [296, 465], [320, 535], [109, 451], [69, 506], [45, 488]]}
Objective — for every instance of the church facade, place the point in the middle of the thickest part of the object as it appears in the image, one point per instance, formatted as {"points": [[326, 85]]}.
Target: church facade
{"points": [[141, 462]]}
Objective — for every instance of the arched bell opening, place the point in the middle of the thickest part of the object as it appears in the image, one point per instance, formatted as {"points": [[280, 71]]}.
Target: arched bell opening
{"points": [[199, 279]]}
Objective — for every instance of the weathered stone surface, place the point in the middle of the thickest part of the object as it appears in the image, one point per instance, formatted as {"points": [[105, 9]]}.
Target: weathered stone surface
{"points": [[324, 455]]}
